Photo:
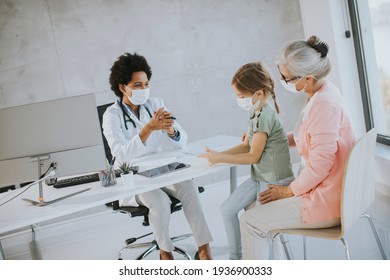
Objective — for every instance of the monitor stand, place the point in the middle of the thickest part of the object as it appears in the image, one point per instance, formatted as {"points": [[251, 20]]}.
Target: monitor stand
{"points": [[41, 201]]}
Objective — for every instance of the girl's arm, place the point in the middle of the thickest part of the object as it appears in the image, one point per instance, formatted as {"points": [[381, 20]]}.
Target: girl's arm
{"points": [[238, 149], [244, 147], [240, 155]]}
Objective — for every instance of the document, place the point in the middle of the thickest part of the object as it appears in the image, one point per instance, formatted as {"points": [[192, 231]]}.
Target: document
{"points": [[217, 143]]}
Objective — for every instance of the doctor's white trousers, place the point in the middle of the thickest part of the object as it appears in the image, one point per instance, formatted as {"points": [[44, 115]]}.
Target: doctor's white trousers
{"points": [[158, 203]]}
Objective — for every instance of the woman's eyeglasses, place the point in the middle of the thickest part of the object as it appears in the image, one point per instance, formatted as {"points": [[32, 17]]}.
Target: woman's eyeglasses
{"points": [[287, 80]]}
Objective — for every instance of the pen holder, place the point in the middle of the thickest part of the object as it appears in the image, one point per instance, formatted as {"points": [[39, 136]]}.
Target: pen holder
{"points": [[107, 177]]}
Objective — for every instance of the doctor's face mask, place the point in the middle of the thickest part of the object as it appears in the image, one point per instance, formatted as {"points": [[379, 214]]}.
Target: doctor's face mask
{"points": [[138, 96]]}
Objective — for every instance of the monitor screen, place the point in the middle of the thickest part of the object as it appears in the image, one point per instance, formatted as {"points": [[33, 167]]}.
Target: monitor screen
{"points": [[66, 131]]}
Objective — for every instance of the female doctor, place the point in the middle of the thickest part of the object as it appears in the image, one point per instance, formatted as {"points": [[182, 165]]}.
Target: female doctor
{"points": [[138, 125]]}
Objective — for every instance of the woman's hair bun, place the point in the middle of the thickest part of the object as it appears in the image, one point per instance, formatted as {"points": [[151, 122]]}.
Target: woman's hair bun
{"points": [[319, 46]]}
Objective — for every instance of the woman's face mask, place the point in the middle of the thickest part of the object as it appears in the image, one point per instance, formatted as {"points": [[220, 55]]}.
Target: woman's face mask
{"points": [[291, 86], [139, 96]]}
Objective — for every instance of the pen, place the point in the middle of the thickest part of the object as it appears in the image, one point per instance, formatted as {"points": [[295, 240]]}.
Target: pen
{"points": [[113, 161], [172, 118], [110, 175], [107, 182]]}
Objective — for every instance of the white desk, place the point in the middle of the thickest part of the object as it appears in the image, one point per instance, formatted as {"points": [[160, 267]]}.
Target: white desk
{"points": [[18, 214]]}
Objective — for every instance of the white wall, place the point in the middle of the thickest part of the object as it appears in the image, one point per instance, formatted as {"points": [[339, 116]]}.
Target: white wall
{"points": [[328, 19]]}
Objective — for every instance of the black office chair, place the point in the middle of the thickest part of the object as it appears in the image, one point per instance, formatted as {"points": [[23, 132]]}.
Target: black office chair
{"points": [[152, 245]]}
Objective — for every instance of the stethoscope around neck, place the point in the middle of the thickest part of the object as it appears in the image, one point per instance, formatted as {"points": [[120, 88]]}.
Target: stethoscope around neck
{"points": [[129, 119]]}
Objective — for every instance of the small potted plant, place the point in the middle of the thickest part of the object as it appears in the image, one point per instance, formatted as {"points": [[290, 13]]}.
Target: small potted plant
{"points": [[127, 173]]}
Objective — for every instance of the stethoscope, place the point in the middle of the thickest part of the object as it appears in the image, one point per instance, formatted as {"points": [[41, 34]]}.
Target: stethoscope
{"points": [[129, 119]]}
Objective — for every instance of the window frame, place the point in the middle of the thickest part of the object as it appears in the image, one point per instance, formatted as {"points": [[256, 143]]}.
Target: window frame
{"points": [[362, 70]]}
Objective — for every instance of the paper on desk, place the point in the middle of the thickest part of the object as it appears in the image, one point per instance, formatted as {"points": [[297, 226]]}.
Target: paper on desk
{"points": [[218, 143], [196, 150]]}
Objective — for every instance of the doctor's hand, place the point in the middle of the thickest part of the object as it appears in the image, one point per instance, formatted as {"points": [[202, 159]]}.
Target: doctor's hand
{"points": [[168, 118], [160, 120], [211, 156], [274, 192]]}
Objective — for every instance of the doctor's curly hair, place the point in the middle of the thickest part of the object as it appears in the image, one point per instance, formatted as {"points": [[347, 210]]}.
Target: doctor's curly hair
{"points": [[122, 70]]}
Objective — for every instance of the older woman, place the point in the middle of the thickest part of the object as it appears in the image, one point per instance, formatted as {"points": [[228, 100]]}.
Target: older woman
{"points": [[323, 136]]}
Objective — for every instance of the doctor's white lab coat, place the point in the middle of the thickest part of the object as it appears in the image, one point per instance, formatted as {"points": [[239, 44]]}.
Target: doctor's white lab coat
{"points": [[125, 144]]}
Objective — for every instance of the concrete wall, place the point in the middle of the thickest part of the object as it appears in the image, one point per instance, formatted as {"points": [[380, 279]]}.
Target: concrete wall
{"points": [[54, 48]]}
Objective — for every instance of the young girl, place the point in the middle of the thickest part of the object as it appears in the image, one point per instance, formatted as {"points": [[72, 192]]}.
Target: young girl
{"points": [[265, 148]]}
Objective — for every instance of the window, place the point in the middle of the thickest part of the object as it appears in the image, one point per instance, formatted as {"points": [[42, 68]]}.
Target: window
{"points": [[370, 21]]}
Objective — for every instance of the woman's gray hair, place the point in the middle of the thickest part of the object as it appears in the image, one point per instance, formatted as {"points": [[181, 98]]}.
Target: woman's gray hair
{"points": [[306, 58]]}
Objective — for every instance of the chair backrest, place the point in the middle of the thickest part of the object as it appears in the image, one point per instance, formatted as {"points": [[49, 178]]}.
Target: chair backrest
{"points": [[101, 109], [358, 186]]}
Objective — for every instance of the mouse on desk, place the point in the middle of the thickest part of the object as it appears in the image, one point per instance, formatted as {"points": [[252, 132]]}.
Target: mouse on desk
{"points": [[181, 165]]}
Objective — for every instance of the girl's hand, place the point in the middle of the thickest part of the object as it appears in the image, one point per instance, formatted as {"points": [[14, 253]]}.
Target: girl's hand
{"points": [[211, 156], [274, 192], [208, 150], [243, 137]]}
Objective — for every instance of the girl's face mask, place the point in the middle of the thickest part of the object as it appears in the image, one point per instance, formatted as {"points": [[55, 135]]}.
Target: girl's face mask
{"points": [[246, 103]]}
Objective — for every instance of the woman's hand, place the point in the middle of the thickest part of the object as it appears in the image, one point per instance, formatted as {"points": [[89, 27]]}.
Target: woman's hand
{"points": [[211, 156], [274, 192]]}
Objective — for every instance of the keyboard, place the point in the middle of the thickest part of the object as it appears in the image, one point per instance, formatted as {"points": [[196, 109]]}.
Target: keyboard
{"points": [[79, 180]]}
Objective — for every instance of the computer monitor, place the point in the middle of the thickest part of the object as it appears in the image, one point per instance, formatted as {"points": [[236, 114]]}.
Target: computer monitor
{"points": [[65, 131]]}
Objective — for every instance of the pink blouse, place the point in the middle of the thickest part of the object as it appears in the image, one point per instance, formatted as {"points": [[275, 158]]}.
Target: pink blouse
{"points": [[325, 139]]}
